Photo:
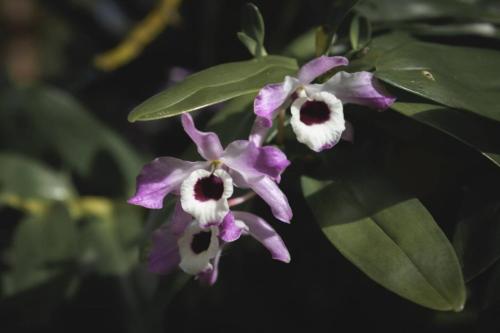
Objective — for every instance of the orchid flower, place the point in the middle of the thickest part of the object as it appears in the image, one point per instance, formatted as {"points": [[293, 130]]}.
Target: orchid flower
{"points": [[184, 243], [204, 187], [317, 109]]}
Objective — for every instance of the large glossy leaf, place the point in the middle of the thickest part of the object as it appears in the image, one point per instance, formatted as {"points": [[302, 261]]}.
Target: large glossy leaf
{"points": [[378, 47], [459, 77], [214, 85], [402, 10], [480, 133], [485, 30], [389, 236], [27, 178]]}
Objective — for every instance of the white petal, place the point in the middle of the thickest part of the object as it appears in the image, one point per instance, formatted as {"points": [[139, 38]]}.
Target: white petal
{"points": [[319, 136], [195, 263], [242, 225], [209, 211], [290, 84]]}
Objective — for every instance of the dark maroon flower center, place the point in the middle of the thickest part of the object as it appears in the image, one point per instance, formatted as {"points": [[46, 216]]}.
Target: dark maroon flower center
{"points": [[314, 112], [201, 241], [209, 188]]}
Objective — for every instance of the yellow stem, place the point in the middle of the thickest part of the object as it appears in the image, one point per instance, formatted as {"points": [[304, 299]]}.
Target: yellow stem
{"points": [[141, 35]]}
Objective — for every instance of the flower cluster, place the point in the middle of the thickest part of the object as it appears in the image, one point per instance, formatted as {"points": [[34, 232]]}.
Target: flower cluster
{"points": [[203, 223]]}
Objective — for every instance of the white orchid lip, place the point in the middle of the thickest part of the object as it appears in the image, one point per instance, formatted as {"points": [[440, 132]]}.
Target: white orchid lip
{"points": [[318, 120], [204, 195], [197, 247]]}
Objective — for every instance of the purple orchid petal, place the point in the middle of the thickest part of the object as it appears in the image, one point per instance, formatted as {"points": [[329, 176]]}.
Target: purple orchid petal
{"points": [[207, 143], [160, 177], [272, 195], [267, 102], [229, 231], [319, 66], [179, 220], [164, 256], [359, 88], [271, 97], [259, 131], [252, 161], [272, 162], [348, 133], [265, 234], [177, 74], [209, 277]]}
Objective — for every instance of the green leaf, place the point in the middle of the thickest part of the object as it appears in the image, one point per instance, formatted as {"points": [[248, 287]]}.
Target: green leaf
{"points": [[43, 246], [110, 244], [61, 125], [378, 47], [323, 40], [335, 14], [354, 33], [253, 32], [459, 77], [406, 10], [477, 240], [481, 29], [26, 178], [302, 48], [249, 43], [215, 85], [360, 32], [479, 133], [390, 237]]}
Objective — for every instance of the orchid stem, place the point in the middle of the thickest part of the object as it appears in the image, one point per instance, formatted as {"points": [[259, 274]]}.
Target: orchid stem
{"points": [[281, 127], [239, 200]]}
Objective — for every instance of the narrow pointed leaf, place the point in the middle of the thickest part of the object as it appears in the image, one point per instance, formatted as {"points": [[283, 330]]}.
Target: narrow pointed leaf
{"points": [[335, 14], [215, 85], [360, 32], [250, 43], [253, 32]]}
